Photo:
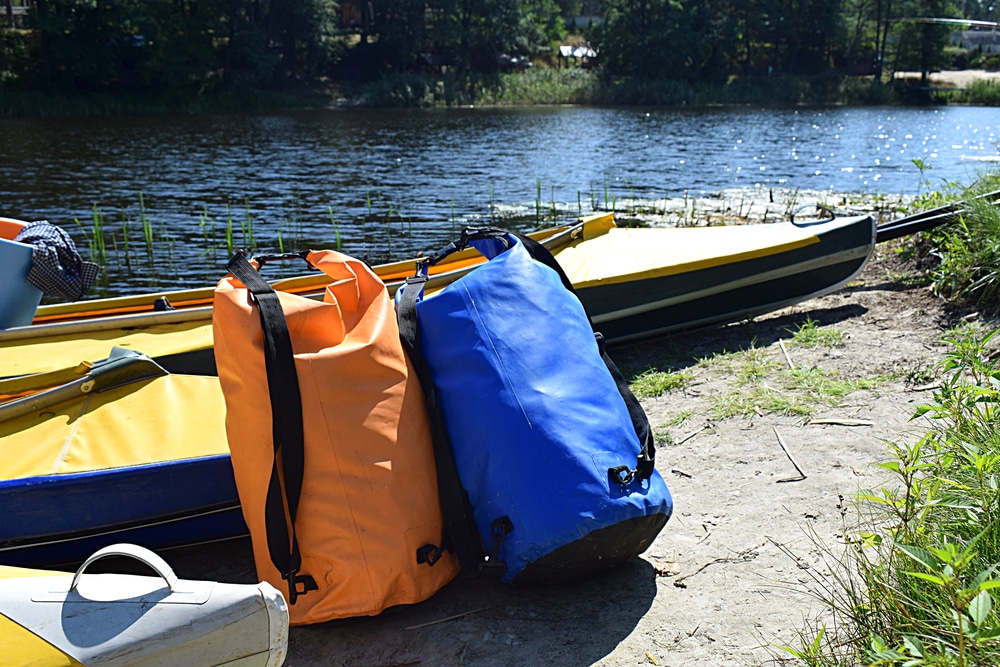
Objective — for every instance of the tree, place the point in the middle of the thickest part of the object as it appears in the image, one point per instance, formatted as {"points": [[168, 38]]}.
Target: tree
{"points": [[648, 39], [922, 40], [473, 33], [302, 29]]}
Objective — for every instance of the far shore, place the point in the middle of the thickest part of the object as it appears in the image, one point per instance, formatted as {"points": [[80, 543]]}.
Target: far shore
{"points": [[953, 79]]}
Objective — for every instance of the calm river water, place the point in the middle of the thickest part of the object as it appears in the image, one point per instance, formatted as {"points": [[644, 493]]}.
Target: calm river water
{"points": [[391, 183]]}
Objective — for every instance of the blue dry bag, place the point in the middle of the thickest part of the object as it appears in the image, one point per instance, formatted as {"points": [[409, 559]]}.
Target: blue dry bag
{"points": [[545, 458]]}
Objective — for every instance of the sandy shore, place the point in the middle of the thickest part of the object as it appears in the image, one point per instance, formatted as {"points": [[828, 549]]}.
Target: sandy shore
{"points": [[957, 79]]}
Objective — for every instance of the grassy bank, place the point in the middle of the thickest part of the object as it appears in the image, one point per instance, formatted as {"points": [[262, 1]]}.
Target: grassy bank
{"points": [[574, 85], [919, 573], [981, 93], [37, 104], [538, 85]]}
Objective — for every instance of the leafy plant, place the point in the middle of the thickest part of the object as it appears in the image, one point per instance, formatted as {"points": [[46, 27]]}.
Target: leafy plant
{"points": [[968, 251], [918, 577]]}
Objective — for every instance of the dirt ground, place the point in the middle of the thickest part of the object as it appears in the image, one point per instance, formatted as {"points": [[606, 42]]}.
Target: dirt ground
{"points": [[727, 580]]}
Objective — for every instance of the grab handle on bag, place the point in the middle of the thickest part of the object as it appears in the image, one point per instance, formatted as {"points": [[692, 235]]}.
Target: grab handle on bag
{"points": [[465, 239], [282, 257]]}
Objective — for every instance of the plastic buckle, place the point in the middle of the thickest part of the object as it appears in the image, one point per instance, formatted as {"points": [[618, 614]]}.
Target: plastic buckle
{"points": [[499, 530], [418, 279], [299, 585], [430, 554]]}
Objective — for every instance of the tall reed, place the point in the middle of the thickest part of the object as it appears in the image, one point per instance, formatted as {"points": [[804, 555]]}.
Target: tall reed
{"points": [[538, 201], [230, 242], [125, 241], [246, 226], [95, 237], [207, 226], [147, 228], [336, 227]]}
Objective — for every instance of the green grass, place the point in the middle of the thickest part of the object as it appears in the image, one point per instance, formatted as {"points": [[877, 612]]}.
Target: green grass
{"points": [[917, 580], [969, 251], [809, 334], [982, 92], [653, 383], [760, 380], [573, 85], [662, 435], [797, 392]]}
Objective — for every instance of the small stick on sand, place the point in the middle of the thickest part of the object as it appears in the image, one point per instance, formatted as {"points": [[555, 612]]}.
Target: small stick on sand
{"points": [[781, 344], [444, 620], [691, 435], [841, 422], [784, 448], [741, 557]]}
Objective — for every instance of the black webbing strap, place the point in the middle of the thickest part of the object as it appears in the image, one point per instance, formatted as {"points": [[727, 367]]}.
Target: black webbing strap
{"points": [[461, 533], [647, 447], [281, 505]]}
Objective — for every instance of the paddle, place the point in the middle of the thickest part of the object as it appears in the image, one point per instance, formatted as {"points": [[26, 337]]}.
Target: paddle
{"points": [[122, 367], [924, 220]]}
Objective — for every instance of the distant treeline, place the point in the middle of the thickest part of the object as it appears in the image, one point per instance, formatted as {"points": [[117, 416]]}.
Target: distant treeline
{"points": [[184, 49]]}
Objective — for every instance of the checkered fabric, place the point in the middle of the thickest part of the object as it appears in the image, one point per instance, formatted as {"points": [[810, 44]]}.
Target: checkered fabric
{"points": [[56, 267]]}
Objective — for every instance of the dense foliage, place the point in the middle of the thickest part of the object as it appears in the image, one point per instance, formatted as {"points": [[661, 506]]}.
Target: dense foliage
{"points": [[916, 584], [190, 48]]}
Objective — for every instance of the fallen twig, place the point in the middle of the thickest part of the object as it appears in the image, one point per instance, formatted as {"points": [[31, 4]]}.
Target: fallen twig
{"points": [[842, 422], [691, 435], [741, 557], [784, 448], [784, 351], [443, 620]]}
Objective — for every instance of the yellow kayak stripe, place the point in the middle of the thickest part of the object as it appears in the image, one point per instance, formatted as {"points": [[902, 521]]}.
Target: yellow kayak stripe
{"points": [[23, 648], [607, 260]]}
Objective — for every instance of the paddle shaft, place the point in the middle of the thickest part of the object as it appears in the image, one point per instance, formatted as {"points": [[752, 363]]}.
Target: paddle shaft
{"points": [[925, 220]]}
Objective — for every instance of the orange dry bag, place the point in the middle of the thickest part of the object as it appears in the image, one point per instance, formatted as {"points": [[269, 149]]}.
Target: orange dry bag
{"points": [[330, 442]]}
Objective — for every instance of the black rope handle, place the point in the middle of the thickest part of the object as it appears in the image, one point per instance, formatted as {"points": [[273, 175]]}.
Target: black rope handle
{"points": [[286, 430]]}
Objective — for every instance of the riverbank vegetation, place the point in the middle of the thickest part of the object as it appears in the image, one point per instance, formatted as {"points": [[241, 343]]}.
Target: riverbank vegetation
{"points": [[917, 583], [117, 56]]}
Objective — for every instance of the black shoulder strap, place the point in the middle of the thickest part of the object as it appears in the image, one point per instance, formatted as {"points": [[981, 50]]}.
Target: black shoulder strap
{"points": [[647, 447], [462, 536], [288, 466]]}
